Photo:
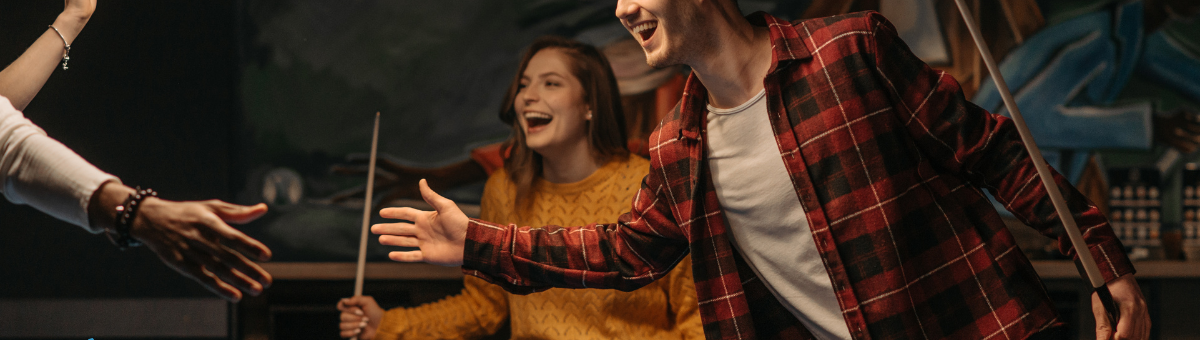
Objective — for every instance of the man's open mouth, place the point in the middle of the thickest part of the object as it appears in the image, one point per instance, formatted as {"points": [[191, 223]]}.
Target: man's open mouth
{"points": [[645, 30]]}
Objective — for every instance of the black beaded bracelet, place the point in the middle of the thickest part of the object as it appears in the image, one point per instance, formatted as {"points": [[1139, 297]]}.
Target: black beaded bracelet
{"points": [[126, 213]]}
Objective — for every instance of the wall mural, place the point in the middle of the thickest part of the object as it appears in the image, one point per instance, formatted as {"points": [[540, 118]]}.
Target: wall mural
{"points": [[1098, 80]]}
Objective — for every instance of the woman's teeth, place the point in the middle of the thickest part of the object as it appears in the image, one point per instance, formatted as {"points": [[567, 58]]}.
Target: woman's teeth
{"points": [[535, 119]]}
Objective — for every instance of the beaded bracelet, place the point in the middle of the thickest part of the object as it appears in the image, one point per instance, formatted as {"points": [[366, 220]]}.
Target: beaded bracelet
{"points": [[126, 213]]}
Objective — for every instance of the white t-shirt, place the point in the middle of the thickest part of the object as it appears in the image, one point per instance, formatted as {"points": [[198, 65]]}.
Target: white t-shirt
{"points": [[41, 172], [766, 220]]}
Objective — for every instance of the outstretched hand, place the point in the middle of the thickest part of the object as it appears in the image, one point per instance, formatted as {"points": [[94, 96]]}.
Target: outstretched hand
{"points": [[439, 234], [193, 239]]}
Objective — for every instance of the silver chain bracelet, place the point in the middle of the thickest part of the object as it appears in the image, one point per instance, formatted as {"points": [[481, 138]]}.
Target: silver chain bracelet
{"points": [[66, 47]]}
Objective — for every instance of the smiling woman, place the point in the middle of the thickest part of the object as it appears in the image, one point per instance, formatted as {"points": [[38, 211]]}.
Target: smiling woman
{"points": [[565, 114], [568, 165]]}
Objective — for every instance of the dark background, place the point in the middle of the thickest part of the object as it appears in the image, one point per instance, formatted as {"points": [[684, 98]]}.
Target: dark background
{"points": [[150, 97]]}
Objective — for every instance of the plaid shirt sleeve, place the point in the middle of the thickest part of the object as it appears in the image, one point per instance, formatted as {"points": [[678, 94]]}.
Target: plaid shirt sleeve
{"points": [[986, 149], [642, 247]]}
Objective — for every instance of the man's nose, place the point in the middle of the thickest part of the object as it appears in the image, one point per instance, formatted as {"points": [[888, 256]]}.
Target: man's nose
{"points": [[626, 9]]}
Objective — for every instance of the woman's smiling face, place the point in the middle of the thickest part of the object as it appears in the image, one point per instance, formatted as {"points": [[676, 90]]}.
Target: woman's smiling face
{"points": [[550, 104]]}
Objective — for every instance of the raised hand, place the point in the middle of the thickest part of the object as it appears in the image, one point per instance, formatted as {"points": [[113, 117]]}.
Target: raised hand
{"points": [[80, 9], [438, 234], [360, 317], [1134, 322]]}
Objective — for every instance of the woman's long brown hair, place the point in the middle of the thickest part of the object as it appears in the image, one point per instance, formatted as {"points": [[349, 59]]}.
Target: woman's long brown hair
{"points": [[606, 129]]}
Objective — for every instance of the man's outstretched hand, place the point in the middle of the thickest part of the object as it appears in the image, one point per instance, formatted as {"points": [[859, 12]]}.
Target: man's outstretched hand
{"points": [[438, 234], [193, 238]]}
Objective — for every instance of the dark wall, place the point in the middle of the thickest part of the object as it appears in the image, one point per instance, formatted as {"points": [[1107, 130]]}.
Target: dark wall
{"points": [[150, 98]]}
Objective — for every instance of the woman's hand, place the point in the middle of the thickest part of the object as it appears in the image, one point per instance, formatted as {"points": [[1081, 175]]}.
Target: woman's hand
{"points": [[360, 317], [79, 9]]}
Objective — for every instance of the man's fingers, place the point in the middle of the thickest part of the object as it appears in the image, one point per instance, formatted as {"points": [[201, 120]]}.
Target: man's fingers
{"points": [[231, 258], [242, 264], [242, 243], [398, 229], [406, 256], [402, 213], [439, 203], [236, 239], [399, 241], [1104, 331], [223, 271], [197, 272], [239, 214]]}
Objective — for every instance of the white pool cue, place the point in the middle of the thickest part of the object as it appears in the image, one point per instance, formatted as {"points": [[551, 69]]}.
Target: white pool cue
{"points": [[366, 220], [1060, 205]]}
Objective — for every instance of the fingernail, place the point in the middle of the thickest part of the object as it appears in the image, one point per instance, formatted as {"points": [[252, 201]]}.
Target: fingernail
{"points": [[357, 312], [357, 330]]}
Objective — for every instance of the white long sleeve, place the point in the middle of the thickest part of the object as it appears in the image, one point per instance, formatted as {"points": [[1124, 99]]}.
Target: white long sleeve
{"points": [[41, 172]]}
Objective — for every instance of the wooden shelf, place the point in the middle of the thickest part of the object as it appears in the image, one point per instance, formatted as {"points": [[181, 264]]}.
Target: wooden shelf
{"points": [[1145, 269], [421, 271], [346, 271]]}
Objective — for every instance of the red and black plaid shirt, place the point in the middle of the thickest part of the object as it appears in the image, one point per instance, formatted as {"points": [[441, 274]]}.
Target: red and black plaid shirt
{"points": [[889, 161]]}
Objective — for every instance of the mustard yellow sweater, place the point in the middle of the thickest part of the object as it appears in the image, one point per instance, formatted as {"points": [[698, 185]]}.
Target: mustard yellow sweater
{"points": [[665, 309]]}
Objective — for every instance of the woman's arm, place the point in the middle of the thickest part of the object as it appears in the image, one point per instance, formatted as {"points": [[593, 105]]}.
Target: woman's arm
{"points": [[22, 79]]}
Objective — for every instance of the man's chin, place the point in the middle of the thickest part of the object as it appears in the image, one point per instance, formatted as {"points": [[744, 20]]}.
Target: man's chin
{"points": [[660, 59]]}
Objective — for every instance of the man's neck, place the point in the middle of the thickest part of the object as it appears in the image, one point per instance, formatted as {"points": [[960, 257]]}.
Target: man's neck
{"points": [[734, 67]]}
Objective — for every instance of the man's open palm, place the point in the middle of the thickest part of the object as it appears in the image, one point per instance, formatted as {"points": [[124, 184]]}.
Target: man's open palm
{"points": [[439, 234]]}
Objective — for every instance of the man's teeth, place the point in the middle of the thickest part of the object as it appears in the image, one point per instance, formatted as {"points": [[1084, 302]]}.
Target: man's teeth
{"points": [[643, 27]]}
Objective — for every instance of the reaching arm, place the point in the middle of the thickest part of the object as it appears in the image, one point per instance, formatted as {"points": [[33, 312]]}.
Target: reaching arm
{"points": [[639, 249], [22, 80]]}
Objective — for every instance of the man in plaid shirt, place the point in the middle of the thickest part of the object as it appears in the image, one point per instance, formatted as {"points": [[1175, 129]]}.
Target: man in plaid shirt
{"points": [[871, 222]]}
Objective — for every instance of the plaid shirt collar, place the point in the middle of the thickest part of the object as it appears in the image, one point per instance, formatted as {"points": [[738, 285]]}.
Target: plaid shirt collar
{"points": [[786, 45]]}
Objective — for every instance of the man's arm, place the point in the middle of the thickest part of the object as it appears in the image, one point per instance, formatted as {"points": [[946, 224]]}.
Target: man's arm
{"points": [[190, 237], [641, 248], [986, 149], [22, 80]]}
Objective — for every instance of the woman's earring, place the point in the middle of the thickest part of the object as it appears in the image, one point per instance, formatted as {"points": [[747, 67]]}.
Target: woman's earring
{"points": [[589, 115]]}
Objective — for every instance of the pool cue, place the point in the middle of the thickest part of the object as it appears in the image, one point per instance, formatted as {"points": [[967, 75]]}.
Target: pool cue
{"points": [[1081, 250], [366, 220], [362, 242]]}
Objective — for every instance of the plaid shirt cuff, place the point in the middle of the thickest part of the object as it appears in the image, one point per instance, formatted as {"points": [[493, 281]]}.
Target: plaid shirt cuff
{"points": [[1110, 257], [486, 256], [482, 250]]}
